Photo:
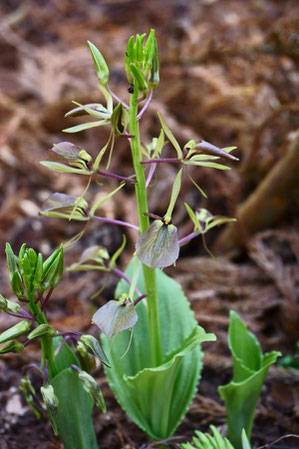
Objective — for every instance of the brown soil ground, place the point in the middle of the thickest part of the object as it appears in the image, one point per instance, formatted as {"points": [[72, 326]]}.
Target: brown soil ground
{"points": [[229, 73]]}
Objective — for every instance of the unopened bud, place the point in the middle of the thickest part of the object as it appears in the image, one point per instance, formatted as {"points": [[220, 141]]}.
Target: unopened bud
{"points": [[51, 402], [12, 346], [15, 331]]}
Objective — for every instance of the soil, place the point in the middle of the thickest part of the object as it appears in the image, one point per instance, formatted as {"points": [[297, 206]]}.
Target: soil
{"points": [[229, 73]]}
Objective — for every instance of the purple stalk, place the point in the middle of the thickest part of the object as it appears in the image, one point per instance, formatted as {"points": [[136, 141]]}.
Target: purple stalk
{"points": [[65, 340], [116, 222], [150, 174], [68, 334], [139, 299], [147, 103], [118, 99], [188, 237], [46, 300], [112, 175], [30, 367], [23, 314], [123, 276], [167, 159]]}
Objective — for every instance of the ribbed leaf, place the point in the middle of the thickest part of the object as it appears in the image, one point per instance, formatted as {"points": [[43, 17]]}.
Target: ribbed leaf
{"points": [[250, 369], [74, 411], [141, 388]]}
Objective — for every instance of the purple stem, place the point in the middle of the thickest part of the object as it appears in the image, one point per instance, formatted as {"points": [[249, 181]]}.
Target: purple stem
{"points": [[46, 300], [167, 159], [118, 99], [139, 299], [147, 103], [68, 334], [23, 314], [150, 174], [116, 222], [123, 276], [65, 340], [30, 367], [75, 367], [188, 237], [112, 175]]}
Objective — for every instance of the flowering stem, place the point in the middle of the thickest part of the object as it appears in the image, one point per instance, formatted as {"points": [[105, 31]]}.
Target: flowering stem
{"points": [[142, 209]]}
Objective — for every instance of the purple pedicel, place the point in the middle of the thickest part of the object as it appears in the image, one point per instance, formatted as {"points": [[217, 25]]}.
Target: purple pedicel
{"points": [[147, 103], [116, 222], [123, 276], [167, 159], [150, 174], [188, 237], [114, 176]]}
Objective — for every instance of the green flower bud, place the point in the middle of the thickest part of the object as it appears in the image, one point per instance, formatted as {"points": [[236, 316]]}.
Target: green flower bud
{"points": [[139, 78], [41, 331], [90, 385], [17, 286], [100, 64], [53, 269], [12, 346], [15, 331], [94, 345], [27, 390], [8, 306], [51, 402]]}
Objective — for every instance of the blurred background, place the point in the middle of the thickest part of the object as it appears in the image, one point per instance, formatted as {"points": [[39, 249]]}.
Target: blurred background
{"points": [[229, 75]]}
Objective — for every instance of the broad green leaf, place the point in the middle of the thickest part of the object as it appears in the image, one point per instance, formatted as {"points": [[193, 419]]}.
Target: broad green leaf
{"points": [[65, 357], [158, 246], [171, 137], [74, 411], [250, 368], [176, 324]]}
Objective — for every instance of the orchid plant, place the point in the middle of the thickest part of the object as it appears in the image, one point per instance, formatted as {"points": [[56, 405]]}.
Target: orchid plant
{"points": [[148, 330]]}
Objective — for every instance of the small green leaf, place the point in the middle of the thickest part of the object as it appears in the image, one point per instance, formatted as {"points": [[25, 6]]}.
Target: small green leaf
{"points": [[115, 316], [12, 346], [105, 198], [100, 64], [158, 246], [95, 346], [15, 331]]}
